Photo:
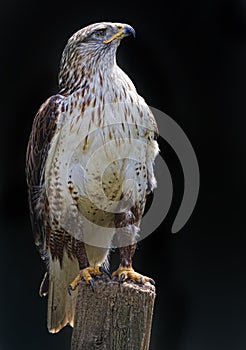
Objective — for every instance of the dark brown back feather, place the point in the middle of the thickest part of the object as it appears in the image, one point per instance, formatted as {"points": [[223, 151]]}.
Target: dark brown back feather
{"points": [[43, 130]]}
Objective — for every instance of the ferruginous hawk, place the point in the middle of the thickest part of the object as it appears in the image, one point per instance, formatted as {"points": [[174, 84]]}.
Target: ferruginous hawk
{"points": [[89, 168]]}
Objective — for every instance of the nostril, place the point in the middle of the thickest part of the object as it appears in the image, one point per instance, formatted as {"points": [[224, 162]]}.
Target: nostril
{"points": [[119, 26]]}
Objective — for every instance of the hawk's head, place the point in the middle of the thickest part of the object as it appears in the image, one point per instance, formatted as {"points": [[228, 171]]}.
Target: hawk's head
{"points": [[90, 48], [99, 35]]}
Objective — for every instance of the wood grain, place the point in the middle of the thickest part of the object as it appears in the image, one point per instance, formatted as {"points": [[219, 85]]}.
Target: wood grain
{"points": [[113, 317]]}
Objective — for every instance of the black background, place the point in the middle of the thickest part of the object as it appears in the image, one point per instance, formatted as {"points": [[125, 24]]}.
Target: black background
{"points": [[188, 60]]}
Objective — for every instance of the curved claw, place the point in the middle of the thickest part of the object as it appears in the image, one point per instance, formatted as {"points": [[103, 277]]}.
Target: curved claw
{"points": [[69, 289], [103, 270], [152, 281], [122, 277], [142, 281], [91, 282]]}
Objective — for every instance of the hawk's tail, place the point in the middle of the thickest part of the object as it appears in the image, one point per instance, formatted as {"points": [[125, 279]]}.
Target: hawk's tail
{"points": [[61, 305]]}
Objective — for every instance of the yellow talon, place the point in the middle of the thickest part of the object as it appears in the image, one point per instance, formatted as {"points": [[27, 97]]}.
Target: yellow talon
{"points": [[86, 275], [126, 272]]}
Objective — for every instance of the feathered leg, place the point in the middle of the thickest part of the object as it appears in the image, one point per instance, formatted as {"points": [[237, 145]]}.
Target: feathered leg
{"points": [[90, 265], [126, 230]]}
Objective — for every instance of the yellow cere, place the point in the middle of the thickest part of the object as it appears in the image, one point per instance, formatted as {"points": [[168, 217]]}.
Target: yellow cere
{"points": [[116, 35]]}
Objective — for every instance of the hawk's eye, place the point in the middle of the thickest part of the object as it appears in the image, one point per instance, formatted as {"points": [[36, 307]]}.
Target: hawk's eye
{"points": [[100, 33]]}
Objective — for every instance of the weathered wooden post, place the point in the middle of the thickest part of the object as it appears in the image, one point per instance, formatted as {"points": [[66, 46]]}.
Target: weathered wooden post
{"points": [[113, 317]]}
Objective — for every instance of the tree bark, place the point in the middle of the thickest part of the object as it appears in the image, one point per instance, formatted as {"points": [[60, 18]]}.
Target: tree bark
{"points": [[113, 317]]}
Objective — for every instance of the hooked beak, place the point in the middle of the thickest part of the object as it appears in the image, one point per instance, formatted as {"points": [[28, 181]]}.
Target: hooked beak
{"points": [[123, 31]]}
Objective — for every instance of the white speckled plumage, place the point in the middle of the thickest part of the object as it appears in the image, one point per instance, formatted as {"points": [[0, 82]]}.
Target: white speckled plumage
{"points": [[98, 157]]}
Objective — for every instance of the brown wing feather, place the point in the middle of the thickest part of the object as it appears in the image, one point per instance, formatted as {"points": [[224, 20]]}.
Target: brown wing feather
{"points": [[43, 130], [64, 265]]}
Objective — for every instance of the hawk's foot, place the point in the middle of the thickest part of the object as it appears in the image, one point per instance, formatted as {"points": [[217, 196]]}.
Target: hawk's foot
{"points": [[86, 275], [124, 273]]}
